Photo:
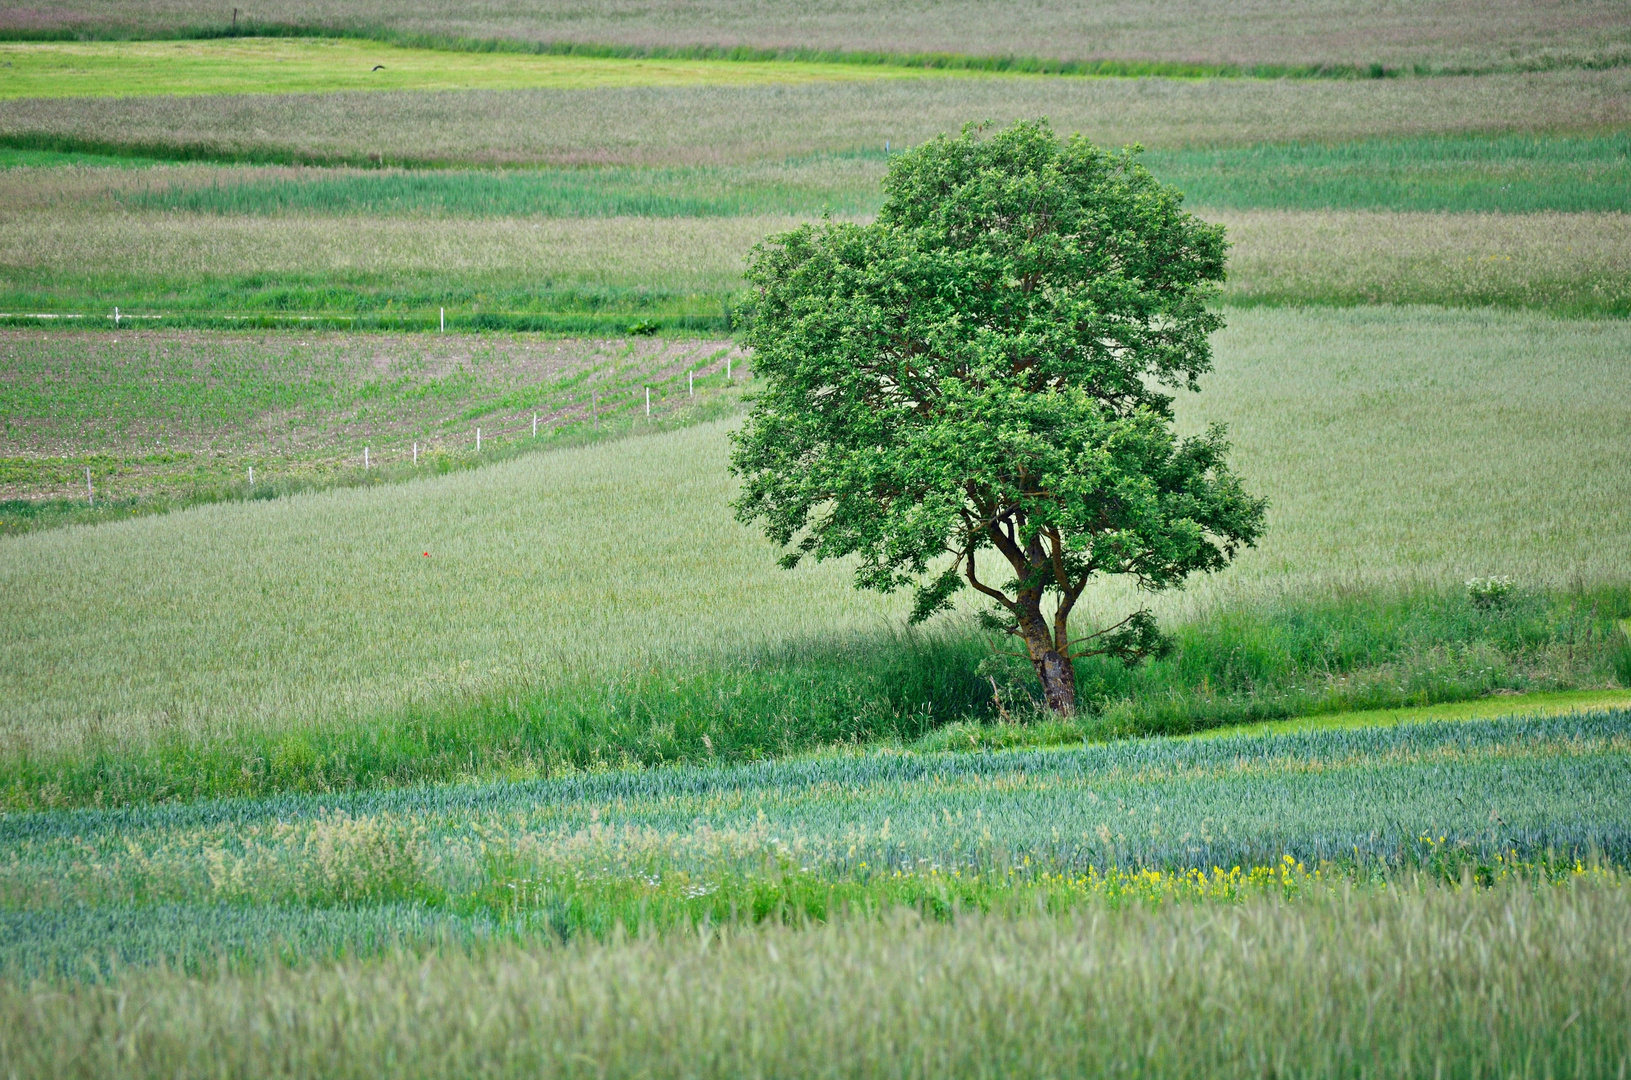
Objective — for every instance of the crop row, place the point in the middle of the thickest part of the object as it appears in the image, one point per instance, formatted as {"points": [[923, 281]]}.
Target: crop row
{"points": [[808, 839]]}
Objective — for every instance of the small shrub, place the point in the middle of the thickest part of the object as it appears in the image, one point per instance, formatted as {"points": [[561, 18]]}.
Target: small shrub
{"points": [[1489, 593]]}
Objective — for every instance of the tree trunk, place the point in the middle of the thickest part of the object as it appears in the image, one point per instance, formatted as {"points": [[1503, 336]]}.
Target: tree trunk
{"points": [[1057, 673]]}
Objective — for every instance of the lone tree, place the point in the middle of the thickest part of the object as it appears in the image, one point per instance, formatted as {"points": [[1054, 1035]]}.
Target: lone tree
{"points": [[981, 368]]}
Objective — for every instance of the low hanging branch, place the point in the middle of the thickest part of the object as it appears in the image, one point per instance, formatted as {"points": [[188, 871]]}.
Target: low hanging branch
{"points": [[983, 368]]}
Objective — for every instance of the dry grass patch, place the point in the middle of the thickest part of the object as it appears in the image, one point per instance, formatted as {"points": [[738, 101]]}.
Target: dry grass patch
{"points": [[722, 125], [1479, 34], [690, 254], [1548, 261]]}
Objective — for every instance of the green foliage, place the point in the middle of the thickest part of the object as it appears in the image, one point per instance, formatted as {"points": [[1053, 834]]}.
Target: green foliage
{"points": [[978, 370], [1490, 592]]}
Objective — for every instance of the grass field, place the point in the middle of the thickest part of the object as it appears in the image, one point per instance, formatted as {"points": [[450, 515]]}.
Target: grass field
{"points": [[1510, 981], [1401, 449], [1455, 174], [166, 420], [1341, 35], [694, 125], [648, 196], [671, 849], [127, 69], [601, 273], [1419, 883], [407, 759]]}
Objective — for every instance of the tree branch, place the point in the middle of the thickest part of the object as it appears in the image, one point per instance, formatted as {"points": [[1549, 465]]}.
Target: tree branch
{"points": [[968, 568]]}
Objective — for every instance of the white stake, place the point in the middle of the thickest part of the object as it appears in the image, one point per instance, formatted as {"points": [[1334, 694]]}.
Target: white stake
{"points": [[365, 457], [690, 384], [251, 478], [648, 401], [478, 440], [535, 425], [90, 492], [115, 316], [416, 453], [727, 369], [444, 320]]}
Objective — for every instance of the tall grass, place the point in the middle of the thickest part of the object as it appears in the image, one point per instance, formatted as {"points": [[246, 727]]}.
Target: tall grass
{"points": [[1243, 665], [1419, 979], [1339, 35], [1507, 982], [596, 275], [605, 853], [1400, 448], [1506, 174], [723, 125]]}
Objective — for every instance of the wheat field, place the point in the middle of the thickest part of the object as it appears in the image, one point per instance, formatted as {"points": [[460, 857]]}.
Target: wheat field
{"points": [[1397, 446], [1511, 982]]}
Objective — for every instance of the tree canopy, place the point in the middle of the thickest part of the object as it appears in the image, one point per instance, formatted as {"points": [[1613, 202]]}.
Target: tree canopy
{"points": [[970, 392]]}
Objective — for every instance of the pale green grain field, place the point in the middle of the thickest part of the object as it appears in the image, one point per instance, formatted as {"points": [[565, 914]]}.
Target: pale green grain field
{"points": [[1397, 982], [1399, 446]]}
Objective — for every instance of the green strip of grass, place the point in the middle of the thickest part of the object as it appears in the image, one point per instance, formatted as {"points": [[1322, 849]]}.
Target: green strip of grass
{"points": [[933, 61], [307, 65], [1462, 174], [613, 192], [1527, 705], [932, 691], [944, 61], [1513, 174]]}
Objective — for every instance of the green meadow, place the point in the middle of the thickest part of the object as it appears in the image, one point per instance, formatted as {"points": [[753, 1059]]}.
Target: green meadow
{"points": [[337, 740], [608, 609], [313, 65]]}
